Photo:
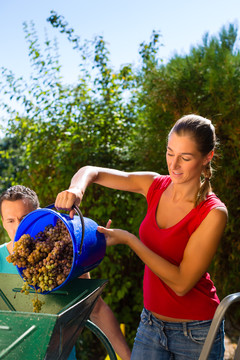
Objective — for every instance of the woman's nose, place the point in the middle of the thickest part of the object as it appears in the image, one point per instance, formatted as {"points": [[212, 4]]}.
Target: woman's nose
{"points": [[175, 162]]}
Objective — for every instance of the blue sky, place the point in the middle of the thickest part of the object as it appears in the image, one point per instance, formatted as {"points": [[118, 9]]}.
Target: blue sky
{"points": [[124, 25]]}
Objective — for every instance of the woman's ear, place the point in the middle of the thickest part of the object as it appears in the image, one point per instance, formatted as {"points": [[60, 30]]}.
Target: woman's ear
{"points": [[208, 157]]}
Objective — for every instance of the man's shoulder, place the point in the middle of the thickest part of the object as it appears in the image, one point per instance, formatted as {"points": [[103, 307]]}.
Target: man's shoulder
{"points": [[3, 247], [5, 266]]}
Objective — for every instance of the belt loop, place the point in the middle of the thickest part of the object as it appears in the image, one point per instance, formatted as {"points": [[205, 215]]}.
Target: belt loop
{"points": [[149, 318], [185, 331]]}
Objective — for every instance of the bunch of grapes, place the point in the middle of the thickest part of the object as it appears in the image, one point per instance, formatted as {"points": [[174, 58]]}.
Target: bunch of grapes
{"points": [[46, 259], [37, 304]]}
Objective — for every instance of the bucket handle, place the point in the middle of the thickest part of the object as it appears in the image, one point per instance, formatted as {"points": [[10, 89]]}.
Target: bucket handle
{"points": [[76, 208]]}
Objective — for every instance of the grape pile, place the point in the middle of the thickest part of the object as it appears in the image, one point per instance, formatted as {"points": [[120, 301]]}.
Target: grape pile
{"points": [[46, 259]]}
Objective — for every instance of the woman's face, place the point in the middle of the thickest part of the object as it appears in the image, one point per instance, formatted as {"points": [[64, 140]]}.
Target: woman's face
{"points": [[185, 162]]}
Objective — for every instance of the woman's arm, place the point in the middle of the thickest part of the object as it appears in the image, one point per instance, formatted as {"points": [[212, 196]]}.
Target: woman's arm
{"points": [[198, 254], [138, 182]]}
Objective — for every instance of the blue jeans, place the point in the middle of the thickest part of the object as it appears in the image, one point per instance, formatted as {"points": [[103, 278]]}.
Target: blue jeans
{"points": [[156, 339]]}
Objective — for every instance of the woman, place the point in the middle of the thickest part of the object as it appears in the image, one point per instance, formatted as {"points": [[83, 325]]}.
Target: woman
{"points": [[179, 237]]}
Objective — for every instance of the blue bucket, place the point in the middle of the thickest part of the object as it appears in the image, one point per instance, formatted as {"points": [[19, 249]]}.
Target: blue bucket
{"points": [[89, 245]]}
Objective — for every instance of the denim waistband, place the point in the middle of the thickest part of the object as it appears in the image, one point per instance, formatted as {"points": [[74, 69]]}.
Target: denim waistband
{"points": [[185, 325]]}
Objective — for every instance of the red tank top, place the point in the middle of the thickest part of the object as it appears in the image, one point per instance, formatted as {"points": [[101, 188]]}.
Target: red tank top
{"points": [[201, 301]]}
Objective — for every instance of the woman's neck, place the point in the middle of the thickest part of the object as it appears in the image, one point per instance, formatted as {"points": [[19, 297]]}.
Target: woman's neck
{"points": [[184, 192]]}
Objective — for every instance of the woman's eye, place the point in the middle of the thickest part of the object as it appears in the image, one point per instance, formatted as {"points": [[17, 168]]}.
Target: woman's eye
{"points": [[185, 159], [169, 154]]}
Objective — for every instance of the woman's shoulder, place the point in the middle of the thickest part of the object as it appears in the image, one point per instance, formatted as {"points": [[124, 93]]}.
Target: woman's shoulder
{"points": [[212, 202], [211, 206], [160, 182]]}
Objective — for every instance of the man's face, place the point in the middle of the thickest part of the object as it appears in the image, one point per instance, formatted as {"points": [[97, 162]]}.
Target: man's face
{"points": [[12, 214]]}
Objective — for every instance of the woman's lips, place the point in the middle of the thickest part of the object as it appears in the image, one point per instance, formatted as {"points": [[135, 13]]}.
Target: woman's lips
{"points": [[177, 173]]}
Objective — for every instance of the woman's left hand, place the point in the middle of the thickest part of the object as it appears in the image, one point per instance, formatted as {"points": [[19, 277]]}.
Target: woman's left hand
{"points": [[114, 236]]}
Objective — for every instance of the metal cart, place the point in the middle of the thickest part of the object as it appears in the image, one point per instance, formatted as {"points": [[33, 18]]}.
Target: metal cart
{"points": [[52, 333]]}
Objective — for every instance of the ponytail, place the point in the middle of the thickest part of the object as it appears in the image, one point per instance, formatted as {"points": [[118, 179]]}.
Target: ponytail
{"points": [[205, 187]]}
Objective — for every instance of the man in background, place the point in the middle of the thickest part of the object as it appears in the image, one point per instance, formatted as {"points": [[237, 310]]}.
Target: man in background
{"points": [[15, 203]]}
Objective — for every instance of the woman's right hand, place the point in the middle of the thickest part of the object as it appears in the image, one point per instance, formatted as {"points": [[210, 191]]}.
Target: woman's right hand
{"points": [[74, 194], [67, 198]]}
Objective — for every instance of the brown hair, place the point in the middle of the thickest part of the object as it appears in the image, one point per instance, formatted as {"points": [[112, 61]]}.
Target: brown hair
{"points": [[202, 131], [19, 192]]}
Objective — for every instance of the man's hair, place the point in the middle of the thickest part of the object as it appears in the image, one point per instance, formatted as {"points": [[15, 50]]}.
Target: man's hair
{"points": [[19, 192]]}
